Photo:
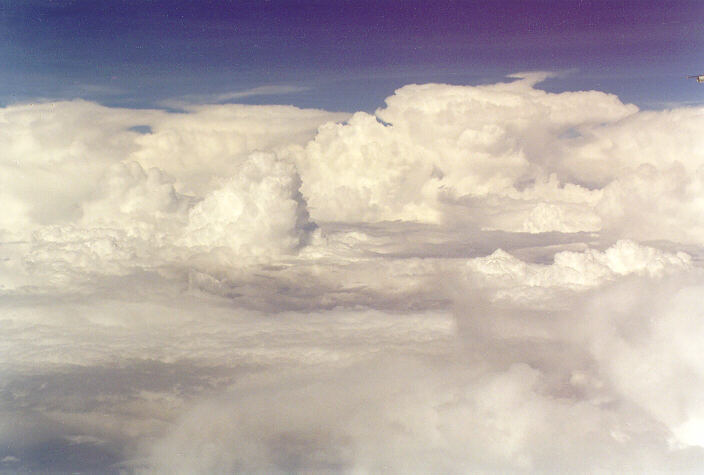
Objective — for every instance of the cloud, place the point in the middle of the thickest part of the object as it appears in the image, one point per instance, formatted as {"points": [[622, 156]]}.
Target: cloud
{"points": [[208, 143], [53, 155], [535, 77], [645, 343], [262, 91], [474, 278], [578, 269], [511, 408], [85, 192], [508, 157], [435, 145], [188, 101], [258, 211], [655, 203]]}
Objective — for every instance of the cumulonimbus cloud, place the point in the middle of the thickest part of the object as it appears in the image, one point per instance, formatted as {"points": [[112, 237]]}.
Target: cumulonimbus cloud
{"points": [[473, 278]]}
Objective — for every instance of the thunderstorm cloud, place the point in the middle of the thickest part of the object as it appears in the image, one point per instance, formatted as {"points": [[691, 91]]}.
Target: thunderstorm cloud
{"points": [[471, 279]]}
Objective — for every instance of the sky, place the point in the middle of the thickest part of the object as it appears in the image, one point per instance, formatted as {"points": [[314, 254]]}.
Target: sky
{"points": [[351, 237], [342, 55]]}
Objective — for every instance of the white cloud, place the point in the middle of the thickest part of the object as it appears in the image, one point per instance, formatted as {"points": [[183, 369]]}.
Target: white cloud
{"points": [[436, 141], [259, 211], [509, 157], [489, 278], [656, 203], [646, 342], [579, 270], [54, 153], [89, 194], [185, 102]]}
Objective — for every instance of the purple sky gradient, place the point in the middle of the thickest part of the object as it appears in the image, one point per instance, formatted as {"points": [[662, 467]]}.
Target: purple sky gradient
{"points": [[343, 55]]}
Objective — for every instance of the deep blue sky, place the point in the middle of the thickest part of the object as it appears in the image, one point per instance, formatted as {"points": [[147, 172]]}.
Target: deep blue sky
{"points": [[345, 55]]}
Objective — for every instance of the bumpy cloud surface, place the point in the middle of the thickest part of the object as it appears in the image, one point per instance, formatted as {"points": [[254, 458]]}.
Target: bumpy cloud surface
{"points": [[472, 279]]}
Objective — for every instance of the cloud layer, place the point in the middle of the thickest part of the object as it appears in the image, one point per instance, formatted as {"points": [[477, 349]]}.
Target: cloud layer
{"points": [[474, 278]]}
